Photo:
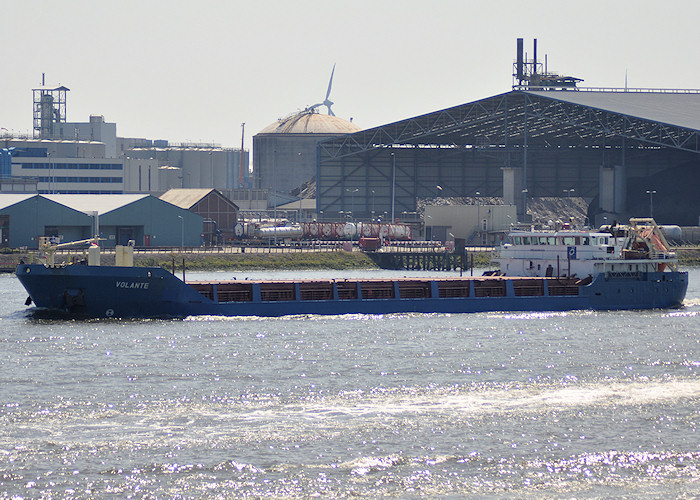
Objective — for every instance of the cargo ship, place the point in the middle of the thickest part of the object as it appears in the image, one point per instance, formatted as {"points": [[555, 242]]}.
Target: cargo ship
{"points": [[624, 268]]}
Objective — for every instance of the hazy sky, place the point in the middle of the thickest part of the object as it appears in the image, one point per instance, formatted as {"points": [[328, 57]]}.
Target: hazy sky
{"points": [[195, 70]]}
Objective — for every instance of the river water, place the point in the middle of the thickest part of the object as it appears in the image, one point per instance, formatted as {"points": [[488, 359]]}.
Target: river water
{"points": [[529, 405]]}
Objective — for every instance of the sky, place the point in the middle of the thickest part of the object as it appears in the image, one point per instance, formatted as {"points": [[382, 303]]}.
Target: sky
{"points": [[194, 71]]}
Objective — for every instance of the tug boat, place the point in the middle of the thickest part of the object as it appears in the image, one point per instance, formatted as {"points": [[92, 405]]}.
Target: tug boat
{"points": [[610, 269]]}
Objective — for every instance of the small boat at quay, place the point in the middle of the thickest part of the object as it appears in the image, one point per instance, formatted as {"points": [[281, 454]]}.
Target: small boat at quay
{"points": [[613, 268]]}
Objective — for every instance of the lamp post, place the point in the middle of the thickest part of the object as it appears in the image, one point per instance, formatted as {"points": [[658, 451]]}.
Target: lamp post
{"points": [[373, 205], [393, 185], [651, 193], [274, 165], [478, 213], [300, 194], [568, 192], [182, 232], [352, 198]]}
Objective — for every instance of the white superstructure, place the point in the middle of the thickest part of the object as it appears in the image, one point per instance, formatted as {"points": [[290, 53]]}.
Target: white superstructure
{"points": [[639, 247]]}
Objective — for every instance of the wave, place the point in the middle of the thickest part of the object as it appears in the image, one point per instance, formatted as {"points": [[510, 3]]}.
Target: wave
{"points": [[346, 409], [694, 302], [527, 399], [316, 317], [158, 423]]}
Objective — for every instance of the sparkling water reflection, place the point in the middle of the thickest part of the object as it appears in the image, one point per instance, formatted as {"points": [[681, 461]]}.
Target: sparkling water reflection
{"points": [[584, 404]]}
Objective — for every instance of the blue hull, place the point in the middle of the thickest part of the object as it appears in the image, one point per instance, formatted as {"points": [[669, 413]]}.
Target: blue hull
{"points": [[130, 292]]}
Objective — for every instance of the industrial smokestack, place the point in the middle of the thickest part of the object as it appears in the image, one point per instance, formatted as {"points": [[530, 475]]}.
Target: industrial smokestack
{"points": [[534, 58], [519, 64]]}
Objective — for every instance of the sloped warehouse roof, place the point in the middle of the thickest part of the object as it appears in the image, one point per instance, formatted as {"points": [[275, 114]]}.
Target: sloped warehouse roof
{"points": [[100, 203], [188, 198], [680, 109]]}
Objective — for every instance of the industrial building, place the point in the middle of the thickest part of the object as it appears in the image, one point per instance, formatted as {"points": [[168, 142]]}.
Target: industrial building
{"points": [[285, 151], [89, 157], [219, 214], [448, 222], [25, 217], [628, 152], [160, 168], [117, 219]]}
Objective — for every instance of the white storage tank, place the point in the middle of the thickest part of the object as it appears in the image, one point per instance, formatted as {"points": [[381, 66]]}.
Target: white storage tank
{"points": [[220, 180], [191, 167]]}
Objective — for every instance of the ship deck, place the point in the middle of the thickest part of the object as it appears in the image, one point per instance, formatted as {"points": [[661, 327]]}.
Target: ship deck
{"points": [[399, 288]]}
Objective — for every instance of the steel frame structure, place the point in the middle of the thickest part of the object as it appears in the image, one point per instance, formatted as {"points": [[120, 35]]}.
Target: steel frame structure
{"points": [[461, 150], [49, 109]]}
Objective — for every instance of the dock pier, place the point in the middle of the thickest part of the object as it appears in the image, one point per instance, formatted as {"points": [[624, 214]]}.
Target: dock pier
{"points": [[423, 261]]}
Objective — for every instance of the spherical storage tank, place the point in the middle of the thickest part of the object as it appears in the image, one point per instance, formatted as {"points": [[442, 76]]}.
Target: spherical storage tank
{"points": [[284, 153]]}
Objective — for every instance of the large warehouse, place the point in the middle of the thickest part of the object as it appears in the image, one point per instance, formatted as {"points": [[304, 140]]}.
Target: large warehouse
{"points": [[627, 152], [145, 219]]}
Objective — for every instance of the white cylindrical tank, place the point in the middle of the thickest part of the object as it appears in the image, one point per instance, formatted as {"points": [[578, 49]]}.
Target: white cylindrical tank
{"points": [[399, 232], [281, 232], [206, 169], [350, 230], [220, 175], [191, 168], [327, 230]]}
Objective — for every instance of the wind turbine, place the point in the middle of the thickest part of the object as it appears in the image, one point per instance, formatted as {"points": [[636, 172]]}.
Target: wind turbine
{"points": [[327, 102]]}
